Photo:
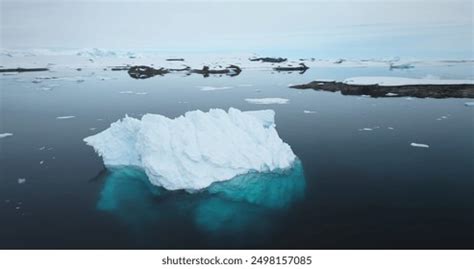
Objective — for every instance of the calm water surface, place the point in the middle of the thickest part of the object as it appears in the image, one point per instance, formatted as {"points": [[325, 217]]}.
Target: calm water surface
{"points": [[350, 188]]}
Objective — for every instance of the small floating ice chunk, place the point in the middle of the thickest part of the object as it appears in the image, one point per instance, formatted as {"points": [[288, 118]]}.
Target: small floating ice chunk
{"points": [[366, 129], [5, 135], [65, 117], [21, 180], [390, 128], [308, 112], [211, 88], [41, 162], [419, 145], [391, 94], [42, 148], [471, 104], [92, 129], [267, 101], [442, 118], [132, 92]]}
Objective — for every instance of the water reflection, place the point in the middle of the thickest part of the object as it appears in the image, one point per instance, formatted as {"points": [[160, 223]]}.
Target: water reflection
{"points": [[247, 204]]}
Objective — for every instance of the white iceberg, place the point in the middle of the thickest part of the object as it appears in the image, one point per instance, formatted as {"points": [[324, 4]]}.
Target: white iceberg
{"points": [[400, 81], [192, 151], [267, 101]]}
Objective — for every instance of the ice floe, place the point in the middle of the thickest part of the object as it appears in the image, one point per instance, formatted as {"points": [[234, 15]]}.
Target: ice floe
{"points": [[192, 151], [132, 92], [471, 104], [21, 180], [5, 135], [65, 117], [267, 101], [211, 88], [399, 81], [419, 145], [442, 118], [309, 112]]}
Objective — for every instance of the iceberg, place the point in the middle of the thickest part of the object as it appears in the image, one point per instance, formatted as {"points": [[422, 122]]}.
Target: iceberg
{"points": [[193, 151]]}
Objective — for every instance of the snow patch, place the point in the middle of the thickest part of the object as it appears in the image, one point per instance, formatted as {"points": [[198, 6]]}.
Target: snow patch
{"points": [[400, 81], [192, 151]]}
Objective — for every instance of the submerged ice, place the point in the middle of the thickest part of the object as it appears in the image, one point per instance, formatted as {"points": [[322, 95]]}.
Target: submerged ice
{"points": [[238, 207], [195, 150]]}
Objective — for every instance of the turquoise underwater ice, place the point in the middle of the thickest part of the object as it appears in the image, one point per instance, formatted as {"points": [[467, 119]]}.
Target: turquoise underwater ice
{"points": [[245, 203]]}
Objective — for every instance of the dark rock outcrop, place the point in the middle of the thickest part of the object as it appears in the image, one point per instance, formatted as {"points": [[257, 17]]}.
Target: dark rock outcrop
{"points": [[231, 70], [401, 66], [23, 70], [302, 68], [175, 60], [120, 68], [420, 91], [268, 60], [143, 71]]}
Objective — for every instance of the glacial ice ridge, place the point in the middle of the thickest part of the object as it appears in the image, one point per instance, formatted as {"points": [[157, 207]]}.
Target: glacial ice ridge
{"points": [[193, 151]]}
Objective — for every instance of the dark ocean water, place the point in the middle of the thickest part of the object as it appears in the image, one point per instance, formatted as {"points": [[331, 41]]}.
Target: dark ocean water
{"points": [[350, 188]]}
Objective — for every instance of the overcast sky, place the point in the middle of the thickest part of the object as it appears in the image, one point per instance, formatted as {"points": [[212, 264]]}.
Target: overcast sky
{"points": [[354, 28]]}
